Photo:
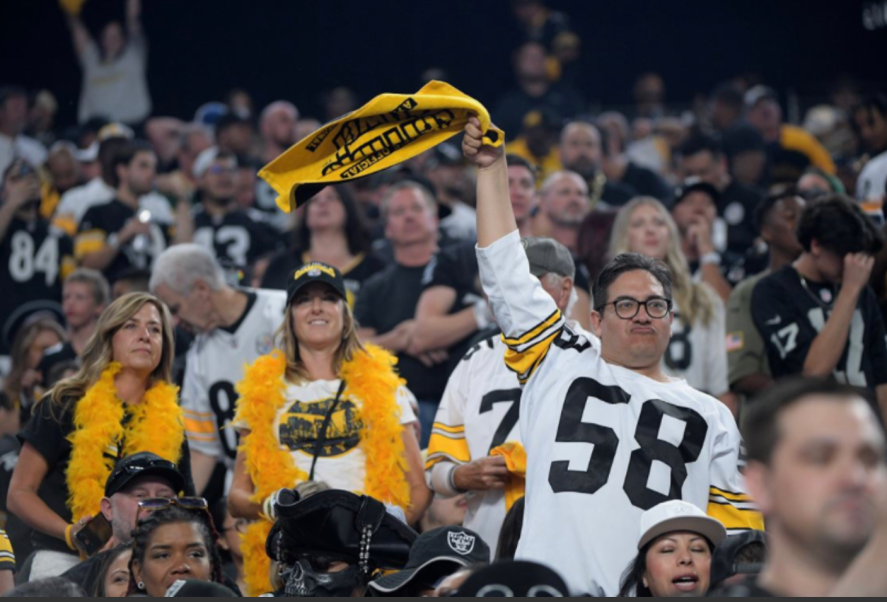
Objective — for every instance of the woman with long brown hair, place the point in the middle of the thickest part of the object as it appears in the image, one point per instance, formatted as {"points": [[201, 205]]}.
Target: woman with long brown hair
{"points": [[121, 402], [323, 408]]}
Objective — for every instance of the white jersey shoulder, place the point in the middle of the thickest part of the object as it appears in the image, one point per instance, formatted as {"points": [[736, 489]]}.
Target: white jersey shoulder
{"points": [[215, 364]]}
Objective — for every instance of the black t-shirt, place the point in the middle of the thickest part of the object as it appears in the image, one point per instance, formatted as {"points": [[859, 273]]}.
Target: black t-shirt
{"points": [[790, 315], [238, 239], [282, 266], [102, 221], [737, 206], [54, 356], [617, 194], [388, 299], [647, 183], [733, 267], [513, 107], [49, 437], [34, 261]]}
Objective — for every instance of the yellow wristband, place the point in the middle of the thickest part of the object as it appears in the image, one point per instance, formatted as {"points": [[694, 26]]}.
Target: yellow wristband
{"points": [[68, 538]]}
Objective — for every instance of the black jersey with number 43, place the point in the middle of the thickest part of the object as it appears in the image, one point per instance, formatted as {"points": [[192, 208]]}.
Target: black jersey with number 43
{"points": [[790, 315], [238, 238]]}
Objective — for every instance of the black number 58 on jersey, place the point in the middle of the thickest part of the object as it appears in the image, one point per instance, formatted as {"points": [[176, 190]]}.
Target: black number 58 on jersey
{"points": [[572, 429]]}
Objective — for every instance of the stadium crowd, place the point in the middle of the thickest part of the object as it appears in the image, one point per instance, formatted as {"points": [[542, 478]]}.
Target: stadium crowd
{"points": [[637, 353]]}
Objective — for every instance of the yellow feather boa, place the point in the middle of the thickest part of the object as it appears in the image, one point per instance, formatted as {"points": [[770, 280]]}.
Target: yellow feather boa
{"points": [[370, 378], [156, 425]]}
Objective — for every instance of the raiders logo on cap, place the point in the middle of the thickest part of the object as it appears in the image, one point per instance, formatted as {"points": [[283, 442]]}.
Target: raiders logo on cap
{"points": [[461, 543]]}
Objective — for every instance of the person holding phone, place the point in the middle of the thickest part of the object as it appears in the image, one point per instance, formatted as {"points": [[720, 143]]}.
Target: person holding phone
{"points": [[120, 403], [136, 478]]}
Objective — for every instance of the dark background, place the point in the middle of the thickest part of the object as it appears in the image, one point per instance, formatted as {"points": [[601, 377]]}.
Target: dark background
{"points": [[295, 49]]}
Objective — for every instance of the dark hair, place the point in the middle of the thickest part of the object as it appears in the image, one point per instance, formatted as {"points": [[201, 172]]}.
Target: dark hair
{"points": [[753, 553], [839, 225], [55, 587], [356, 232], [769, 202], [700, 144], [169, 516], [219, 512], [518, 161], [108, 151], [8, 92], [511, 532], [632, 583], [125, 156], [760, 427], [872, 103], [628, 262], [99, 570], [729, 95]]}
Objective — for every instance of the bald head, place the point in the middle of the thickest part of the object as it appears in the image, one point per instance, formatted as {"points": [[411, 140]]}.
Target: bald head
{"points": [[581, 149], [565, 199], [278, 123]]}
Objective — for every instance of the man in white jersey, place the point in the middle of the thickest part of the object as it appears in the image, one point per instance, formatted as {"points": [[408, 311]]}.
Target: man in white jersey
{"points": [[234, 327], [607, 434], [481, 406]]}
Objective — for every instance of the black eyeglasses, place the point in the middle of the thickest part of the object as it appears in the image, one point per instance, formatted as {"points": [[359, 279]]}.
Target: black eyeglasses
{"points": [[627, 307]]}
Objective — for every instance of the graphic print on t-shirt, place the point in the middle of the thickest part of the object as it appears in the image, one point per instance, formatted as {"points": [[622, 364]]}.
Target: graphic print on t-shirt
{"points": [[301, 427]]}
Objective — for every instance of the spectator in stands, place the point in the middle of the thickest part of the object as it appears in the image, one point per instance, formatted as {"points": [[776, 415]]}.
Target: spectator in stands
{"points": [[534, 90], [130, 281], [13, 120], [131, 230], [674, 553], [41, 118], [170, 545], [85, 295], [511, 531], [446, 171], [649, 96], [234, 134], [703, 237], [815, 184], [550, 28], [126, 371], [331, 230], [236, 236], [112, 574], [522, 189], [620, 168], [870, 124], [277, 126], [22, 386], [790, 149], [746, 155], [777, 218], [115, 85], [818, 316], [338, 102], [387, 320], [35, 258], [538, 141], [581, 151], [444, 512], [64, 174], [696, 350], [230, 541], [816, 470], [141, 476], [726, 108], [701, 157]]}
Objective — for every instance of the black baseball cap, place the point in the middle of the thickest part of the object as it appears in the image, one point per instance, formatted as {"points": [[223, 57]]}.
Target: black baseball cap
{"points": [[315, 272], [691, 185], [198, 589], [437, 554], [143, 464], [723, 562]]}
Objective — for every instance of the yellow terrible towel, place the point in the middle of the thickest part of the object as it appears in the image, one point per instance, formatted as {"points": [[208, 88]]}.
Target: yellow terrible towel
{"points": [[390, 129], [516, 461]]}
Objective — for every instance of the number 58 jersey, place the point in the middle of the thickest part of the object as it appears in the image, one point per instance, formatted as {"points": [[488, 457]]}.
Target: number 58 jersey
{"points": [[604, 444]]}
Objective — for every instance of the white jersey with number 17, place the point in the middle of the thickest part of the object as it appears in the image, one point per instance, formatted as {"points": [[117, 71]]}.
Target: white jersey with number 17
{"points": [[604, 444]]}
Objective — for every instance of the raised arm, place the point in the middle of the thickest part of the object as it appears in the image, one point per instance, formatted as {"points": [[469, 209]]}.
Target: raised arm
{"points": [[495, 217], [79, 35], [134, 18]]}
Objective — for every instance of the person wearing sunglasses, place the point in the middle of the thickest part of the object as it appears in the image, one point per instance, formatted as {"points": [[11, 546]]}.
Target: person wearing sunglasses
{"points": [[135, 478], [175, 542], [237, 237]]}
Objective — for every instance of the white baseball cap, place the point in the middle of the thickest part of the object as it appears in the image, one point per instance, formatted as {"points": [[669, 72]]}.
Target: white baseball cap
{"points": [[675, 516], [205, 160]]}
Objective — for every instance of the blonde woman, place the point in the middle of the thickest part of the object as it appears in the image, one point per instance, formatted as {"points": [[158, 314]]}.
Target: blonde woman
{"points": [[121, 402], [697, 351], [324, 408]]}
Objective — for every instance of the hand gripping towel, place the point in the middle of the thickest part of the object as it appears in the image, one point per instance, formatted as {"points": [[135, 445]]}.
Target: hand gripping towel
{"points": [[390, 129]]}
